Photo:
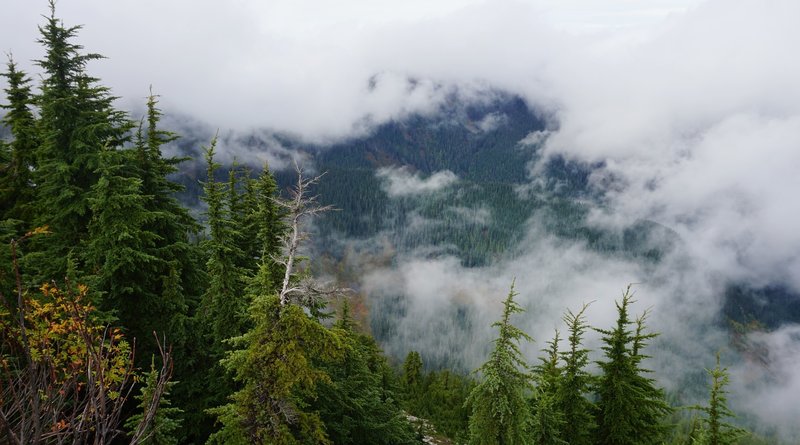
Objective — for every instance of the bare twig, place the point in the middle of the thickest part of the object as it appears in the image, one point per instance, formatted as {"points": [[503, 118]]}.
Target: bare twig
{"points": [[299, 206]]}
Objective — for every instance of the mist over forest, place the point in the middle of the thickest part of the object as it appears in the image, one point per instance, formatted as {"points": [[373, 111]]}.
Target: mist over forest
{"points": [[574, 149]]}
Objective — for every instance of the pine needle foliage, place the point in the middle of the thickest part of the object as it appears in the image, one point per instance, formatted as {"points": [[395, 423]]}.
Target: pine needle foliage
{"points": [[713, 428], [576, 383], [275, 369], [547, 422], [500, 413], [358, 404], [630, 408], [162, 430], [18, 155]]}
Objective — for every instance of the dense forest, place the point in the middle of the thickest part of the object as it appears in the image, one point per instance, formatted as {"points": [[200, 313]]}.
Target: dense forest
{"points": [[125, 318]]}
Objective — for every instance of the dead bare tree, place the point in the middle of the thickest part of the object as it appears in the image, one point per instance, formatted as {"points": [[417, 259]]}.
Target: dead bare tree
{"points": [[299, 206], [65, 379]]}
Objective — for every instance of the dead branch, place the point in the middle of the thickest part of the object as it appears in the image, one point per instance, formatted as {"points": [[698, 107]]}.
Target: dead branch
{"points": [[299, 206]]}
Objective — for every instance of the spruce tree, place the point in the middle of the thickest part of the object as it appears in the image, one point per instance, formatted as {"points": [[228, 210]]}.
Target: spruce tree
{"points": [[547, 420], [500, 413], [224, 305], [118, 245], [164, 426], [358, 405], [16, 184], [276, 370], [177, 279], [630, 408], [17, 163], [77, 121], [412, 373], [576, 383], [713, 429], [264, 219]]}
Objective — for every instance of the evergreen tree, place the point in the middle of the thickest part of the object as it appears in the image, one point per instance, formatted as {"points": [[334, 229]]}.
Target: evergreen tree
{"points": [[77, 121], [358, 404], [412, 373], [118, 247], [275, 369], [713, 429], [499, 409], [222, 312], [171, 220], [178, 278], [547, 420], [630, 408], [264, 219], [162, 429], [224, 305], [236, 203], [18, 155], [576, 383]]}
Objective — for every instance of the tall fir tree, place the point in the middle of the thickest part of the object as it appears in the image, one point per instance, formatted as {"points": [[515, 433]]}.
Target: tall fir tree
{"points": [[222, 311], [358, 405], [77, 121], [118, 246], [16, 183], [547, 419], [17, 162], [275, 368], [500, 414], [177, 279], [576, 383], [630, 408], [224, 306], [264, 219], [412, 374], [713, 429]]}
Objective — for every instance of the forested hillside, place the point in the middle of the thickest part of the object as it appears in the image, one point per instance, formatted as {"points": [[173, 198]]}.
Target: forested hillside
{"points": [[129, 316]]}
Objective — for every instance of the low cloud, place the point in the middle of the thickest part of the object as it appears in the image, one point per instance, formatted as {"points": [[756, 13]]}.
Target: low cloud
{"points": [[399, 182], [491, 122]]}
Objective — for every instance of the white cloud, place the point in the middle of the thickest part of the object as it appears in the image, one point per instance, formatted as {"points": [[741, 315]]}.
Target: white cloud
{"points": [[304, 66], [401, 182]]}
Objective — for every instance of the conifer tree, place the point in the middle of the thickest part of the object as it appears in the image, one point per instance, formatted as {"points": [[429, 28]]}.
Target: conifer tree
{"points": [[412, 372], [500, 413], [118, 245], [630, 408], [713, 429], [264, 219], [236, 203], [547, 420], [358, 405], [177, 274], [171, 220], [224, 305], [277, 361], [576, 383], [276, 371], [162, 428], [18, 163], [77, 121]]}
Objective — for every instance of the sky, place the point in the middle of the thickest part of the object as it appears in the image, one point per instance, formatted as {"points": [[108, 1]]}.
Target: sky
{"points": [[691, 106], [304, 66]]}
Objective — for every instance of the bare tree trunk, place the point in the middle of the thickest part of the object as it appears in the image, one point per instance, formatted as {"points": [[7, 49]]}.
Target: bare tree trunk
{"points": [[299, 206]]}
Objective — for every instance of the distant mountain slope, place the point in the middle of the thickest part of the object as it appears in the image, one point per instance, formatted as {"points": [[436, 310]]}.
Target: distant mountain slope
{"points": [[478, 213]]}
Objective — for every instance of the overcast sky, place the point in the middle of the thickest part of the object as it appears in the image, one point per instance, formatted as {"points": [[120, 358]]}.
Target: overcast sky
{"points": [[304, 65]]}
